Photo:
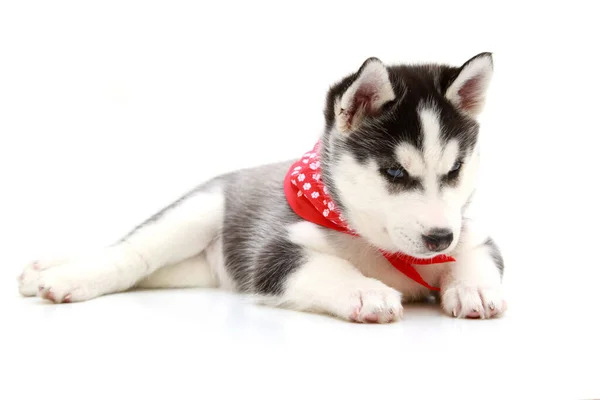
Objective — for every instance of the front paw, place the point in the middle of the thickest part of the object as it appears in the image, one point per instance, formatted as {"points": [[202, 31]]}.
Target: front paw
{"points": [[468, 300], [371, 302]]}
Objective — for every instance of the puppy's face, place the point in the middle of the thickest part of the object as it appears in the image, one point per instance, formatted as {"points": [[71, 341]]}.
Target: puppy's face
{"points": [[400, 153]]}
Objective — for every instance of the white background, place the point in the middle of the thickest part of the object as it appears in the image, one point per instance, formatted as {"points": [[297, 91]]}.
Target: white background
{"points": [[110, 110]]}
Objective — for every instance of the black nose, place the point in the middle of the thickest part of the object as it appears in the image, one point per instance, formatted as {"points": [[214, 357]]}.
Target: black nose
{"points": [[438, 239]]}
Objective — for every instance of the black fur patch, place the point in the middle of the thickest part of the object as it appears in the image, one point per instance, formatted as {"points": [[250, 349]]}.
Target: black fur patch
{"points": [[258, 255], [276, 261]]}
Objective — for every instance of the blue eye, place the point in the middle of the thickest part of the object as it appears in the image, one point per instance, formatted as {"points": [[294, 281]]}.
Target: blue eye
{"points": [[395, 172], [456, 166]]}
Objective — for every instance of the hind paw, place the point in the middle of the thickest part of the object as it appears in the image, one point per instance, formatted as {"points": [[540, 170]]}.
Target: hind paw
{"points": [[29, 280], [48, 294], [72, 282], [64, 281]]}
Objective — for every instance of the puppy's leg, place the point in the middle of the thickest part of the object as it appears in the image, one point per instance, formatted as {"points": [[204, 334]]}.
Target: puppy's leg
{"points": [[472, 287], [176, 234], [193, 272], [328, 284]]}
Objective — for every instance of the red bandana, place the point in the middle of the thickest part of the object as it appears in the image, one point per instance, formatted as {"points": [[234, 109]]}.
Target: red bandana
{"points": [[308, 197]]}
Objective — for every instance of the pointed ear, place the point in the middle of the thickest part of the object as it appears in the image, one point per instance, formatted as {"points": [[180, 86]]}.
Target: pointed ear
{"points": [[364, 97], [467, 91]]}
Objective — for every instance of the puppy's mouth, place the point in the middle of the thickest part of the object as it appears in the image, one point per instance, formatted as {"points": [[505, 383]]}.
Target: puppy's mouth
{"points": [[429, 254], [423, 255]]}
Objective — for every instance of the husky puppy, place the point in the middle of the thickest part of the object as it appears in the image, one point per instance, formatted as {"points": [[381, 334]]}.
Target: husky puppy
{"points": [[397, 160]]}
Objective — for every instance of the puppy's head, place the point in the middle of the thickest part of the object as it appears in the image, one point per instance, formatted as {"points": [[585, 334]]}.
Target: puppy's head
{"points": [[400, 151]]}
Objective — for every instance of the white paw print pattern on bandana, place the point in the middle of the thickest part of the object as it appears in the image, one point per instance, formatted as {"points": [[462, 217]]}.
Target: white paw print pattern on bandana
{"points": [[306, 177]]}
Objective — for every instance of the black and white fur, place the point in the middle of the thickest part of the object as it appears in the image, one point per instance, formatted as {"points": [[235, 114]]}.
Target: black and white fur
{"points": [[237, 231]]}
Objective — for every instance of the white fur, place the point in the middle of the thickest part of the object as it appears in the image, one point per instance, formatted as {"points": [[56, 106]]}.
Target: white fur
{"points": [[430, 125], [442, 208], [330, 284], [411, 160], [216, 259], [448, 157], [309, 236], [473, 285], [193, 272]]}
